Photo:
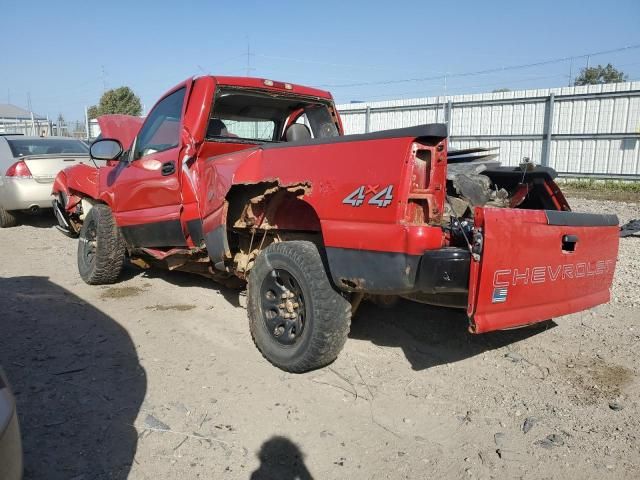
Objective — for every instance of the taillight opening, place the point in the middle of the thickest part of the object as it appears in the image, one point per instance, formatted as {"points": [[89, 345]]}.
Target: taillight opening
{"points": [[19, 170], [427, 183], [418, 205]]}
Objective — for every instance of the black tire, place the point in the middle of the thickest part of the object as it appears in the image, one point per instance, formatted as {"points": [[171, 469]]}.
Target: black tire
{"points": [[7, 218], [101, 250], [323, 315]]}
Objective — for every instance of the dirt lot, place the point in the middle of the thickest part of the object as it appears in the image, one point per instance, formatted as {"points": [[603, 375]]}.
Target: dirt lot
{"points": [[157, 377]]}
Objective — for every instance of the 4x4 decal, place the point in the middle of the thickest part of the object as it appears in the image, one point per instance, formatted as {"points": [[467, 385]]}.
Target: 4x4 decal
{"points": [[380, 199]]}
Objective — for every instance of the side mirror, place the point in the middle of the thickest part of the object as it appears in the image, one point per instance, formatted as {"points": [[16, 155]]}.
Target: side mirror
{"points": [[106, 149]]}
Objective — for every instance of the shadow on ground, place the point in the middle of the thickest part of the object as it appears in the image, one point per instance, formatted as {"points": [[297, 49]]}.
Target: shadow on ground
{"points": [[42, 219], [281, 459], [77, 379], [185, 279], [430, 335]]}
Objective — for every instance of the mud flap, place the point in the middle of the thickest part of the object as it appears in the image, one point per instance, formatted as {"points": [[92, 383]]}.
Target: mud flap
{"points": [[537, 264]]}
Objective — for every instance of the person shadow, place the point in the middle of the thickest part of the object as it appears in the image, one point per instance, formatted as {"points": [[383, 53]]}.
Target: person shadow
{"points": [[281, 459], [77, 379], [430, 335]]}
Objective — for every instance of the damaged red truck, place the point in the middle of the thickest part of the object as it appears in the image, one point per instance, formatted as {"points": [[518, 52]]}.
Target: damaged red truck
{"points": [[252, 179]]}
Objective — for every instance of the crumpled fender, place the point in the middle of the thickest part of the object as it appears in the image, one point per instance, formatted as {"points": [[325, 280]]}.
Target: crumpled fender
{"points": [[77, 182]]}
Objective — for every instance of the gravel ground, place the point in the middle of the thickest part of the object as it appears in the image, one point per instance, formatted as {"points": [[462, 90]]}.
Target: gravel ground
{"points": [[156, 377]]}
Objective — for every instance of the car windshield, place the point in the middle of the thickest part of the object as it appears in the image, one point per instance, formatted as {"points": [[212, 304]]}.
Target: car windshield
{"points": [[23, 147], [239, 115]]}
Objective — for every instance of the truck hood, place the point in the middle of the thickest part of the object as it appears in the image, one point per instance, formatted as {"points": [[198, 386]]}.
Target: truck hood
{"points": [[123, 128]]}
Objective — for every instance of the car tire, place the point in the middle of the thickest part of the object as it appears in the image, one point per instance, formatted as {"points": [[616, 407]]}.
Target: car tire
{"points": [[101, 249], [298, 321], [7, 218]]}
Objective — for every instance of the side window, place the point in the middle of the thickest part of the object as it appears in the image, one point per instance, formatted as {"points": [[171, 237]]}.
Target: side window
{"points": [[161, 130], [319, 118]]}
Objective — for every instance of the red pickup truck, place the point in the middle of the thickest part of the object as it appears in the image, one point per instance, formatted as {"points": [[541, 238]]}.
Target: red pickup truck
{"points": [[253, 179]]}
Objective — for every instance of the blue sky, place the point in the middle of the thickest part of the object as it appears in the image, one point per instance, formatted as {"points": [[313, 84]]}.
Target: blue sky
{"points": [[58, 50]]}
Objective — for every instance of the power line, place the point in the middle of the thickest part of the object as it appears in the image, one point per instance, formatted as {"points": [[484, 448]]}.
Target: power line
{"points": [[482, 72], [465, 88], [316, 62]]}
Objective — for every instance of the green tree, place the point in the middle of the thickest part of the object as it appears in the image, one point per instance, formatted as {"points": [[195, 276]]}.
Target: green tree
{"points": [[500, 90], [93, 111], [599, 74], [118, 100]]}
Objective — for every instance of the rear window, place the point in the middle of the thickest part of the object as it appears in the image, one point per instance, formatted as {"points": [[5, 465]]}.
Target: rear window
{"points": [[46, 146], [250, 116], [262, 130]]}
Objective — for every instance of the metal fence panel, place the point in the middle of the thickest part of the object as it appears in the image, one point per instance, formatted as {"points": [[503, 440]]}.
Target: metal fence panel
{"points": [[587, 130]]}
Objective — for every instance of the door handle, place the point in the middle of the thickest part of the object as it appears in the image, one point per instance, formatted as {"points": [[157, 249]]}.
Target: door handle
{"points": [[168, 168], [569, 243]]}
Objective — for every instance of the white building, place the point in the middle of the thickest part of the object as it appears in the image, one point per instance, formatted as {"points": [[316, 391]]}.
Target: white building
{"points": [[14, 119]]}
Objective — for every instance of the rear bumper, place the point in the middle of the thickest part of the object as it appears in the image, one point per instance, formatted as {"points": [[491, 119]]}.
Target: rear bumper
{"points": [[24, 193], [531, 265], [10, 443], [436, 272]]}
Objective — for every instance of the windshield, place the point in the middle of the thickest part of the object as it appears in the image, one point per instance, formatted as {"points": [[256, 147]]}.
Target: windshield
{"points": [[259, 117], [46, 146]]}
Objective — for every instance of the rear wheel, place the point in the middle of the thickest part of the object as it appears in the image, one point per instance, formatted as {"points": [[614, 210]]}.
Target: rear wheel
{"points": [[101, 249], [298, 321], [7, 218]]}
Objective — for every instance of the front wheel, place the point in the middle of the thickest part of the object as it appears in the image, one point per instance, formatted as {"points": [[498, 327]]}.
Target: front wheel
{"points": [[101, 249], [298, 321]]}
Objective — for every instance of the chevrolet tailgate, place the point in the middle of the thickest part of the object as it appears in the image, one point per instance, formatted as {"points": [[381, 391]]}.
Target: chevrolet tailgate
{"points": [[539, 264]]}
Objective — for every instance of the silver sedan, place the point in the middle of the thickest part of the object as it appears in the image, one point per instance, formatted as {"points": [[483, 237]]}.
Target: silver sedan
{"points": [[28, 166]]}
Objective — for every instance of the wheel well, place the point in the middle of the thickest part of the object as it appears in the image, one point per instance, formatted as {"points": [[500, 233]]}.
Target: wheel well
{"points": [[263, 213], [76, 206]]}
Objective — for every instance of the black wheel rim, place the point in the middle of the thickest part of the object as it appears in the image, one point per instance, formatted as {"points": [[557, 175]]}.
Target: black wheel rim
{"points": [[283, 307], [90, 243]]}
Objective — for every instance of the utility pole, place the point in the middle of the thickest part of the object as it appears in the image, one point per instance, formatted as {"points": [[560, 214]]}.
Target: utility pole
{"points": [[33, 121], [87, 123], [570, 70], [248, 58], [249, 68], [104, 79], [444, 100]]}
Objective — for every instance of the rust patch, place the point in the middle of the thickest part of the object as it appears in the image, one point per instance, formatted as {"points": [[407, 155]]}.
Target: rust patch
{"points": [[259, 210], [353, 283], [139, 262], [253, 211]]}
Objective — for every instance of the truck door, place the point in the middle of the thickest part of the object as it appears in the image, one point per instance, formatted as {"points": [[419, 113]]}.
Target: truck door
{"points": [[146, 188]]}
